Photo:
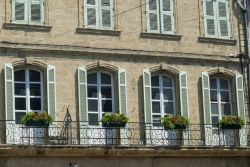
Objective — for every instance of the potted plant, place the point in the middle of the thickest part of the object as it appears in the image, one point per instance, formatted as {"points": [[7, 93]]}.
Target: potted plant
{"points": [[175, 122], [231, 122], [36, 119], [114, 120]]}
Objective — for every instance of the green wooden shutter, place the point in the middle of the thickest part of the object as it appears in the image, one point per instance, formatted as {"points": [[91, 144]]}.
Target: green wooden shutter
{"points": [[51, 91], [122, 91], [153, 18], [223, 19], [167, 16], [183, 94], [19, 8], [210, 21], [90, 14], [36, 15], [9, 94], [147, 96], [82, 94], [206, 98], [106, 16]]}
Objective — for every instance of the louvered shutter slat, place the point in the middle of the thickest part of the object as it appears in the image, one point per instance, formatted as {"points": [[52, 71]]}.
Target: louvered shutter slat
{"points": [[36, 11], [183, 94], [19, 10], [122, 92], [82, 94], [51, 91], [90, 13], [210, 24], [153, 16], [167, 16], [223, 20], [206, 98], [106, 13], [9, 107], [147, 96]]}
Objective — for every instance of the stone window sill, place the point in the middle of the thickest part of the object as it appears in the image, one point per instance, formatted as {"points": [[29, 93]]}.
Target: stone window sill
{"points": [[90, 31], [217, 41], [172, 37], [28, 27]]}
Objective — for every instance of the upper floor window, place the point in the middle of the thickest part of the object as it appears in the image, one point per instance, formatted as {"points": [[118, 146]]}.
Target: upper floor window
{"points": [[99, 14], [100, 96], [28, 11], [28, 94], [160, 16], [216, 19]]}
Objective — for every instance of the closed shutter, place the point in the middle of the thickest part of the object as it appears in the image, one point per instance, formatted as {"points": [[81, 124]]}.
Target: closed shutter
{"points": [[167, 16], [90, 13], [82, 94], [183, 94], [223, 19], [147, 96], [210, 21], [51, 91], [9, 87], [122, 91], [153, 16], [36, 12], [19, 8], [106, 16]]}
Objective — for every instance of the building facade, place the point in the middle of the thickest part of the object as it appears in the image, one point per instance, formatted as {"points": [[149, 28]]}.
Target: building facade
{"points": [[146, 59]]}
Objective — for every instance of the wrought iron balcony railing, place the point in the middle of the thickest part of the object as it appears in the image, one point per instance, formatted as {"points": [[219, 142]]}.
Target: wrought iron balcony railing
{"points": [[134, 134]]}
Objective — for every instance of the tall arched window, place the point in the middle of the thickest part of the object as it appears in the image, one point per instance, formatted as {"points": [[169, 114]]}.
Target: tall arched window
{"points": [[163, 97], [220, 98], [28, 92], [100, 96]]}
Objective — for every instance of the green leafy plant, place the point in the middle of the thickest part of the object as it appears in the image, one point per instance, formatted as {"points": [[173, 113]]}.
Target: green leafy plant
{"points": [[175, 122], [231, 122], [36, 119], [114, 120]]}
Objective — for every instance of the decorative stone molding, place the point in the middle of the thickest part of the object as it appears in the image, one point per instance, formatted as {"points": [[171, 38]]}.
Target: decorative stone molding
{"points": [[14, 26], [30, 61], [101, 64], [163, 67], [221, 70]]}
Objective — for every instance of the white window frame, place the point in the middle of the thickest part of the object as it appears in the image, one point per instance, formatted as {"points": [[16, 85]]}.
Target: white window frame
{"points": [[27, 91], [162, 114], [98, 7], [27, 12], [160, 20], [216, 20], [99, 95], [218, 92]]}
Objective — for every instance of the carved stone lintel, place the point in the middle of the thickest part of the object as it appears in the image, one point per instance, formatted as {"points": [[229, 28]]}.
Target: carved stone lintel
{"points": [[28, 61]]}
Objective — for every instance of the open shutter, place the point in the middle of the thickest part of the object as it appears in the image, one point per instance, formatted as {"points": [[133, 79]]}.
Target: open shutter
{"points": [[51, 91], [122, 91], [153, 16], [82, 94], [147, 96], [183, 94], [106, 16], [167, 16], [19, 8], [90, 14], [36, 12], [210, 18], [223, 19]]}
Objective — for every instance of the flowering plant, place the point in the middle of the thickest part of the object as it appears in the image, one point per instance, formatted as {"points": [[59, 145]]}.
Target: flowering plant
{"points": [[231, 122], [115, 120], [175, 122], [36, 119]]}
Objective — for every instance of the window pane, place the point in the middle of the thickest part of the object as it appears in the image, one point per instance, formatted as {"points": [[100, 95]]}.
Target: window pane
{"points": [[224, 96], [213, 95], [19, 11], [105, 2], [169, 108], [20, 103], [20, 89], [214, 108], [92, 91], [34, 76], [35, 103], [92, 105], [153, 21], [155, 81], [91, 15], [93, 119], [168, 94], [213, 83], [157, 120], [215, 120], [107, 105], [106, 18], [20, 75], [167, 82], [155, 93], [209, 8], [35, 12], [226, 109], [222, 9], [156, 107], [92, 78], [106, 92], [35, 90], [105, 79], [166, 5], [18, 116], [91, 2], [210, 27], [224, 84], [153, 5]]}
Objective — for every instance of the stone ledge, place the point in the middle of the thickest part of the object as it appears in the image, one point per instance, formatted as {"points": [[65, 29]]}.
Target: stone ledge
{"points": [[90, 31], [171, 37], [217, 41], [27, 27]]}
